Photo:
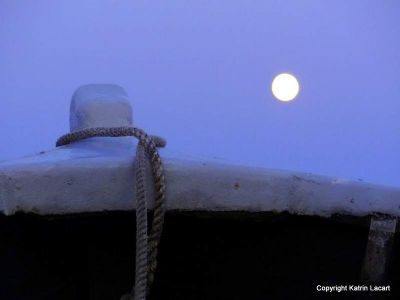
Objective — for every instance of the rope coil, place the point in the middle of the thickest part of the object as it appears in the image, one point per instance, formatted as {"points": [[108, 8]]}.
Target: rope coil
{"points": [[146, 246]]}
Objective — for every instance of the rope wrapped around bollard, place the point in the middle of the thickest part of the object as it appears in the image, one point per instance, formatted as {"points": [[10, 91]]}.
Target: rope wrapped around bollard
{"points": [[146, 247]]}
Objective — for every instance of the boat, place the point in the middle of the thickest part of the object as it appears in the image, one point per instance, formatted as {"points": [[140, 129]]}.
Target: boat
{"points": [[231, 231]]}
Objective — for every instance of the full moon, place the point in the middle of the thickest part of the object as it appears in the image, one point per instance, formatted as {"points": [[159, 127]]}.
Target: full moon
{"points": [[285, 87]]}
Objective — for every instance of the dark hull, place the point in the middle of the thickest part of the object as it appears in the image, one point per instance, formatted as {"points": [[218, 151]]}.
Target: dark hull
{"points": [[201, 257]]}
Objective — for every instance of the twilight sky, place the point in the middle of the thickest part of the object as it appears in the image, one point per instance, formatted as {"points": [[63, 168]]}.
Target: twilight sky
{"points": [[199, 72]]}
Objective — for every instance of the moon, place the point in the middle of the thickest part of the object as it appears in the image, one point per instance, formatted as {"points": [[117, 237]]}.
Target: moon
{"points": [[285, 87]]}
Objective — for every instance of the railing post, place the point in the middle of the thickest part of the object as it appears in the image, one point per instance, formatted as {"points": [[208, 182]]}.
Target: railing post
{"points": [[378, 251]]}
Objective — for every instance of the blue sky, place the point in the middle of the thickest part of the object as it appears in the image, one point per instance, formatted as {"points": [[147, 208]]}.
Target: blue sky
{"points": [[199, 74]]}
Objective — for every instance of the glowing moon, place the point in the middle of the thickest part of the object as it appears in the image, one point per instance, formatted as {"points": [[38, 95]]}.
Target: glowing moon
{"points": [[285, 87]]}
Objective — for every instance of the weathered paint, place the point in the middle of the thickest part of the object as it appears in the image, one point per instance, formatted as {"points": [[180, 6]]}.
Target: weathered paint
{"points": [[96, 105], [379, 250], [98, 174]]}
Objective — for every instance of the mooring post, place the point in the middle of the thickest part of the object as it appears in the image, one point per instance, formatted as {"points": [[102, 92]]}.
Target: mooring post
{"points": [[100, 105]]}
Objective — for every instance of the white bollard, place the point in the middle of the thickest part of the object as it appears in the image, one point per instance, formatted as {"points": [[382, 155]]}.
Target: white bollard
{"points": [[100, 105]]}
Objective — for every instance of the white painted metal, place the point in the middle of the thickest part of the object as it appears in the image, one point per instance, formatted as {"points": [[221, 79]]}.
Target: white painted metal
{"points": [[96, 105], [97, 175]]}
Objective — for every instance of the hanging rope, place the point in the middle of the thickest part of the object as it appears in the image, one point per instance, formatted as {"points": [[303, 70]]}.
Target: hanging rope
{"points": [[146, 247]]}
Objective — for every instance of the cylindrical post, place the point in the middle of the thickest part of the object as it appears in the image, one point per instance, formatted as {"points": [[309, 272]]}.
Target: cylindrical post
{"points": [[100, 105]]}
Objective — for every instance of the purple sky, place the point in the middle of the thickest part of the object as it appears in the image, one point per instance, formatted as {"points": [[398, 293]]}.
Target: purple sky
{"points": [[199, 74]]}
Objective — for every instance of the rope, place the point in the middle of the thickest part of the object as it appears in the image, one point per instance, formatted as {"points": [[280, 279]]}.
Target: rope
{"points": [[146, 247]]}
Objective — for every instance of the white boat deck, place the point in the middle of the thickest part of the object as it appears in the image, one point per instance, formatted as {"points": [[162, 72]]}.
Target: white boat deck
{"points": [[98, 175]]}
